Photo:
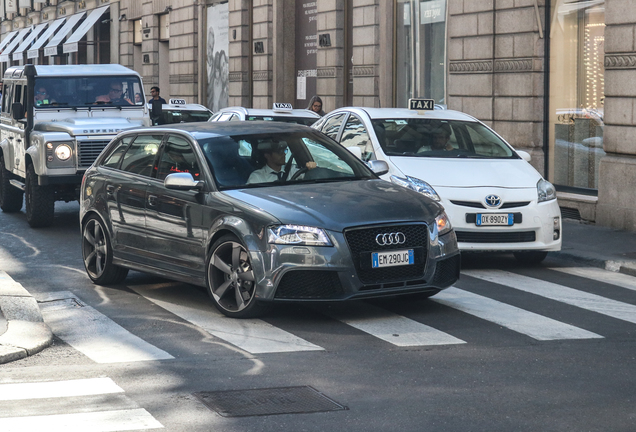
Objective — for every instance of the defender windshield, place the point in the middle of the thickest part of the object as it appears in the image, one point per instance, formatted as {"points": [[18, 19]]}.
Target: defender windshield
{"points": [[280, 159], [415, 137], [82, 92]]}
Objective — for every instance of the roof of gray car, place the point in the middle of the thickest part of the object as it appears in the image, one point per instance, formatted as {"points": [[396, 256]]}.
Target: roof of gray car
{"points": [[204, 129]]}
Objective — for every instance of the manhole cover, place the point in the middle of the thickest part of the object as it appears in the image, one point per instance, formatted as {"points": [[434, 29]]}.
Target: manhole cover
{"points": [[268, 401]]}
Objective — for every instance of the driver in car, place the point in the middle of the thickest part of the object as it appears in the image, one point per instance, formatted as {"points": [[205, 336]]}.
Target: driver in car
{"points": [[274, 169]]}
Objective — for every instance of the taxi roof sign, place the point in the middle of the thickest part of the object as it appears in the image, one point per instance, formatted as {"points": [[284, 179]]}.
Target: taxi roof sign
{"points": [[282, 106], [421, 104], [177, 101]]}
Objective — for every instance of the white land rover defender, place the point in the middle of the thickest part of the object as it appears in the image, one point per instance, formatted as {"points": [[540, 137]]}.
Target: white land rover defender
{"points": [[55, 121]]}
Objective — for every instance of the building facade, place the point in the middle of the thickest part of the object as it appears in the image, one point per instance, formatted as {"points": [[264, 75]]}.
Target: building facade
{"points": [[555, 78]]}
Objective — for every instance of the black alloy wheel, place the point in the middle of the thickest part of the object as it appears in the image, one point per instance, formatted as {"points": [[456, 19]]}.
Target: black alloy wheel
{"points": [[98, 256], [230, 280], [10, 196]]}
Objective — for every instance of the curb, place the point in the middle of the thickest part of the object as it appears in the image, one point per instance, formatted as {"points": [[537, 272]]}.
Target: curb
{"points": [[27, 333], [625, 267]]}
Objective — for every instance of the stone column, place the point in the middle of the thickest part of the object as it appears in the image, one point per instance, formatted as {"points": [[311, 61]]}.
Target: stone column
{"points": [[366, 53], [616, 206], [262, 28], [184, 51], [330, 60], [240, 52], [496, 58]]}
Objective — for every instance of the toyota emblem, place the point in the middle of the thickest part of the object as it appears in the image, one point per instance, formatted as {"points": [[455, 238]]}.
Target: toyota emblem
{"points": [[493, 201], [390, 239]]}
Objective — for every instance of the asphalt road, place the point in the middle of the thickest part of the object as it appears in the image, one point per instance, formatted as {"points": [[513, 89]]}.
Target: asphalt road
{"points": [[510, 348]]}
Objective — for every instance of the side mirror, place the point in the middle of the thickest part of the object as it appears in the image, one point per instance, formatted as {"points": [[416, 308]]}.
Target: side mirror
{"points": [[356, 150], [17, 110], [379, 167], [524, 155], [182, 181]]}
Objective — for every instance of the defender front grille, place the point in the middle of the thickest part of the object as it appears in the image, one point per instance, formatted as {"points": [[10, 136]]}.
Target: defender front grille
{"points": [[88, 152], [362, 243]]}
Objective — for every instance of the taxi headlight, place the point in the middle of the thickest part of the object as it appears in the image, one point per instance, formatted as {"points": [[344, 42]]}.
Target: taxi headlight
{"points": [[546, 191], [417, 185], [63, 152], [298, 235], [443, 224]]}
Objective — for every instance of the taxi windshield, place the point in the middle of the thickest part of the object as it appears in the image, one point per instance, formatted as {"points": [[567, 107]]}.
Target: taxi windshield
{"points": [[419, 137], [92, 91], [280, 159], [307, 121]]}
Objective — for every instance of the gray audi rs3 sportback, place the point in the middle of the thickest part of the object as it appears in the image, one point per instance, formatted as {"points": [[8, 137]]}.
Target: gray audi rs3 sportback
{"points": [[258, 213]]}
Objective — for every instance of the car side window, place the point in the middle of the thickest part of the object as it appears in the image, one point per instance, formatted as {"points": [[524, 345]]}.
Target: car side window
{"points": [[114, 157], [140, 157], [178, 156], [355, 134], [6, 98], [225, 117], [332, 126]]}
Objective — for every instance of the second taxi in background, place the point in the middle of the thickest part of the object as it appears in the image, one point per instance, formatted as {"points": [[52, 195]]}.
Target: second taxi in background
{"points": [[178, 111], [494, 198], [282, 112]]}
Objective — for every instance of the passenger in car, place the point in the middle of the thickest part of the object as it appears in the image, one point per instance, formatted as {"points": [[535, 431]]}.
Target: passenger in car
{"points": [[274, 153], [115, 95]]}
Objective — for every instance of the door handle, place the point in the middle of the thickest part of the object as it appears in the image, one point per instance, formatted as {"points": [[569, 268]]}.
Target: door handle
{"points": [[10, 137], [110, 189], [152, 200]]}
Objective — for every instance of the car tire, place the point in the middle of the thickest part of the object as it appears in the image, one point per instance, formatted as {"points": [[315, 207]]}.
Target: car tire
{"points": [[531, 257], [97, 254], [230, 280], [39, 201], [10, 196]]}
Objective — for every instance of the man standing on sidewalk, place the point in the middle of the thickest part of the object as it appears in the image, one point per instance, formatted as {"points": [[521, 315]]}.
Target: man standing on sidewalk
{"points": [[156, 107]]}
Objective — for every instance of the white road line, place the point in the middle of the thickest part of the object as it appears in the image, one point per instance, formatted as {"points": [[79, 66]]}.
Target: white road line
{"points": [[92, 333], [252, 335], [581, 299], [43, 390], [531, 324], [104, 421], [605, 276], [390, 327]]}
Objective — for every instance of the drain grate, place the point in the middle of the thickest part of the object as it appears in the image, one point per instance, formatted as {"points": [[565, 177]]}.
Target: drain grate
{"points": [[268, 401]]}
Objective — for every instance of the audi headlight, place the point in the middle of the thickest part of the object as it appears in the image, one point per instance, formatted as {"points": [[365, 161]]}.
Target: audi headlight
{"points": [[546, 191], [417, 185], [298, 235], [63, 152], [443, 224]]}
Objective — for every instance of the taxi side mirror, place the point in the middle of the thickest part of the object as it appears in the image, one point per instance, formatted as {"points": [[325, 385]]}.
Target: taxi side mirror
{"points": [[379, 167], [17, 110]]}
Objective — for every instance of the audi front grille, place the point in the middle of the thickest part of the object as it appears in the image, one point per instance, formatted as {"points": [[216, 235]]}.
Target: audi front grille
{"points": [[362, 243]]}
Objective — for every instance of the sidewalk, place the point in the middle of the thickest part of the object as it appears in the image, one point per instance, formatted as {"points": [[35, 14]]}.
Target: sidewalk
{"points": [[23, 331]]}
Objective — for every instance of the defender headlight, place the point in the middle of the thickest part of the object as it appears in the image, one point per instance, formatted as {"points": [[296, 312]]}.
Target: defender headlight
{"points": [[417, 185], [443, 224], [545, 190], [298, 235], [63, 152]]}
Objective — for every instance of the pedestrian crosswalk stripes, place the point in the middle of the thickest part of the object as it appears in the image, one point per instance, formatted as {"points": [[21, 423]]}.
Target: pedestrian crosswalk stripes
{"points": [[105, 341], [528, 323], [43, 390], [571, 296], [92, 333], [75, 412], [612, 278], [252, 335], [391, 327]]}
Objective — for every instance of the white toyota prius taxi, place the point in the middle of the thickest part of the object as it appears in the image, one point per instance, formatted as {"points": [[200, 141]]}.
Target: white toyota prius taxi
{"points": [[495, 199]]}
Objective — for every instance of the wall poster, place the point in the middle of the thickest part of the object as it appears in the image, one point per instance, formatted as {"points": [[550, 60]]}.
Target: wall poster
{"points": [[217, 57]]}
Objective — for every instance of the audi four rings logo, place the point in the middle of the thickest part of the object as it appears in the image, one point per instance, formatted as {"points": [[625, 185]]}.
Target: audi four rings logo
{"points": [[493, 201], [390, 239]]}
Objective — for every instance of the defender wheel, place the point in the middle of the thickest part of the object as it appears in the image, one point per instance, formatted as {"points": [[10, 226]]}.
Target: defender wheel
{"points": [[532, 257], [39, 201], [230, 280], [98, 256], [10, 196]]}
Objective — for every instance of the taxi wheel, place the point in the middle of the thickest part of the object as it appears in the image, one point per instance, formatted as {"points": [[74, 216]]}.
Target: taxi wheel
{"points": [[532, 257], [10, 196], [39, 201], [230, 280], [98, 256]]}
